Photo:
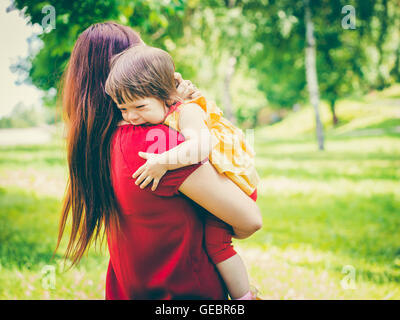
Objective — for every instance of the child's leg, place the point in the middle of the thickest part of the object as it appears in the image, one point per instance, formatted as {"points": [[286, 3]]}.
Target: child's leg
{"points": [[234, 273], [218, 239]]}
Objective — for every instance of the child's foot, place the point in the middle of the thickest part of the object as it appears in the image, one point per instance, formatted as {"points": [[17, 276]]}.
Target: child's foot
{"points": [[247, 296], [254, 291], [251, 295]]}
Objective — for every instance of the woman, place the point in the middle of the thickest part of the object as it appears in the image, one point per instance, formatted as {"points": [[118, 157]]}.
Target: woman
{"points": [[155, 239]]}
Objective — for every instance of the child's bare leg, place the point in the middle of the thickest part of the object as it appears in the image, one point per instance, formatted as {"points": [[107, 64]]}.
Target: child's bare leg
{"points": [[234, 274]]}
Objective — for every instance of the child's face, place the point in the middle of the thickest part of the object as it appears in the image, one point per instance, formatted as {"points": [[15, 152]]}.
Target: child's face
{"points": [[144, 111]]}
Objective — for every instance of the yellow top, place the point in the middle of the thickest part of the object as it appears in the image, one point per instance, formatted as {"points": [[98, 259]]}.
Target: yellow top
{"points": [[231, 154]]}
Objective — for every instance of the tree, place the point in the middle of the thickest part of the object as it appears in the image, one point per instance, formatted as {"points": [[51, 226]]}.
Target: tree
{"points": [[225, 35], [277, 50], [157, 20], [216, 42], [311, 72], [344, 63]]}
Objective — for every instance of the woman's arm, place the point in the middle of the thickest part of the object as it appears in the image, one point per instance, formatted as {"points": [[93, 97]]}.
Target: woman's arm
{"points": [[224, 199]]}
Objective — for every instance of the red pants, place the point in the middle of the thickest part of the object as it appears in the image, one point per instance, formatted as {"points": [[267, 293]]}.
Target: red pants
{"points": [[218, 237]]}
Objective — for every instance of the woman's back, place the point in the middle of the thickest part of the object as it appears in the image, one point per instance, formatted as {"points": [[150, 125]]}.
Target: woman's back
{"points": [[159, 252]]}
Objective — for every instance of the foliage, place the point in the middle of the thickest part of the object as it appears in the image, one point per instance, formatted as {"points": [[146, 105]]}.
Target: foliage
{"points": [[266, 38], [72, 17]]}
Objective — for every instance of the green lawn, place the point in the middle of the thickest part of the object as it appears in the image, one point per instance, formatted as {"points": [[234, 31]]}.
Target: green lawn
{"points": [[324, 211], [331, 219]]}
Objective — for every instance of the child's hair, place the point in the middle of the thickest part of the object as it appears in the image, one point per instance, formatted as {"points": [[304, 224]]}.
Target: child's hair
{"points": [[139, 72]]}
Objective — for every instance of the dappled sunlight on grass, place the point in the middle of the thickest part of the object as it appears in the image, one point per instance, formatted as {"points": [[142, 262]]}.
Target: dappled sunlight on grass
{"points": [[283, 186], [305, 273], [28, 234], [350, 166], [352, 114], [359, 225], [390, 92], [47, 155], [83, 283], [44, 181], [327, 210], [354, 148]]}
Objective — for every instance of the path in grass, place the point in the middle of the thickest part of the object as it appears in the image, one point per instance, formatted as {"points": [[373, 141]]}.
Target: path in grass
{"points": [[24, 136]]}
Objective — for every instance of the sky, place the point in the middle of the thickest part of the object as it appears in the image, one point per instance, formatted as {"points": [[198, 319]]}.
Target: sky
{"points": [[14, 33]]}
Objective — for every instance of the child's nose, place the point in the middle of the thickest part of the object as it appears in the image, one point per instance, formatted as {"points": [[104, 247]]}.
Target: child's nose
{"points": [[133, 117]]}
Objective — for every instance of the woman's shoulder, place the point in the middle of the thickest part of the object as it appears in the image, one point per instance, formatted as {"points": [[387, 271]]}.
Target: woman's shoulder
{"points": [[130, 140], [126, 127], [155, 138]]}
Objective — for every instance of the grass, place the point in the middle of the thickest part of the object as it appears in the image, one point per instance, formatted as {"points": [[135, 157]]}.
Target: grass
{"points": [[331, 218], [28, 233], [32, 180]]}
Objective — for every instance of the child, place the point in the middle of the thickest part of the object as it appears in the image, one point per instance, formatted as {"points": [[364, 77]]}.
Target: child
{"points": [[141, 82]]}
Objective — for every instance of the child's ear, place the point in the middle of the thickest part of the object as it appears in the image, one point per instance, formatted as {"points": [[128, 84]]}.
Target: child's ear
{"points": [[169, 103], [173, 99]]}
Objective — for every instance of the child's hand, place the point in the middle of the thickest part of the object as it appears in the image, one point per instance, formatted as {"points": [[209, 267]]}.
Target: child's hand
{"points": [[153, 169], [185, 88]]}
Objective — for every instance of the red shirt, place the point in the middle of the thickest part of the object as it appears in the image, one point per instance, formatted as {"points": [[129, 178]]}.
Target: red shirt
{"points": [[159, 253]]}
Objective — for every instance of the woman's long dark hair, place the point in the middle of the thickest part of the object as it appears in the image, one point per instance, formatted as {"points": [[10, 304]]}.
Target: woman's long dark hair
{"points": [[91, 117]]}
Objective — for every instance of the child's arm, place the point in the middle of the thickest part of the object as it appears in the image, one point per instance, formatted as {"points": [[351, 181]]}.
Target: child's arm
{"points": [[196, 147]]}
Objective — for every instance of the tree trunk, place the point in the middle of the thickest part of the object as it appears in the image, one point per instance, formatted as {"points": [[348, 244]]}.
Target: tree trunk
{"points": [[380, 44], [395, 72], [332, 105], [228, 108], [311, 72]]}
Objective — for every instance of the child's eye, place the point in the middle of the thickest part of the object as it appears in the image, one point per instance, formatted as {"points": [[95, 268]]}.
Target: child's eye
{"points": [[141, 106]]}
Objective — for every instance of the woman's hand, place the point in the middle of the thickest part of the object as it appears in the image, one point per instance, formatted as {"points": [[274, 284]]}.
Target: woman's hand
{"points": [[152, 170], [185, 88]]}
